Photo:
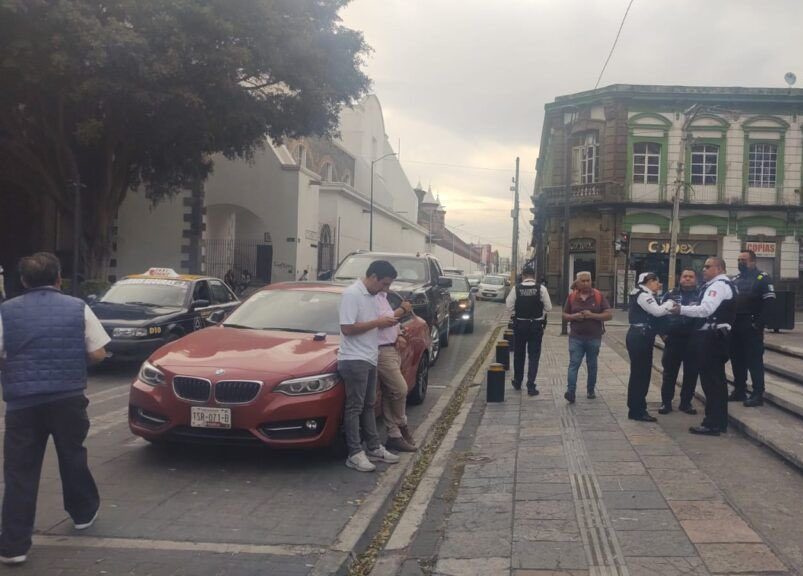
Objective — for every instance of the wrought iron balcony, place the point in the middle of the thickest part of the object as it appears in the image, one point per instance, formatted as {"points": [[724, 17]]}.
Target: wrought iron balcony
{"points": [[581, 194]]}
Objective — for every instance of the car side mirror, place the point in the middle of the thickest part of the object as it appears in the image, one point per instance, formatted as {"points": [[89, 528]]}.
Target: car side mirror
{"points": [[474, 289], [216, 317], [326, 275], [199, 304], [444, 282]]}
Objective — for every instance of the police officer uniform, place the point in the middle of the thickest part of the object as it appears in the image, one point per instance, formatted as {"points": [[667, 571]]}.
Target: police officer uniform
{"points": [[529, 301], [678, 349], [711, 340], [642, 315], [756, 293]]}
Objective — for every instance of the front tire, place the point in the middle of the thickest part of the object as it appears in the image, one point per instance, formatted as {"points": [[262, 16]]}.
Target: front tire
{"points": [[444, 335], [419, 391], [469, 326], [434, 351]]}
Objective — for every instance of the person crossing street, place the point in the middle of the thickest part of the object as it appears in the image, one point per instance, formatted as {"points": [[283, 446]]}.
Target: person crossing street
{"points": [[677, 332], [642, 315], [711, 340], [756, 295], [529, 302]]}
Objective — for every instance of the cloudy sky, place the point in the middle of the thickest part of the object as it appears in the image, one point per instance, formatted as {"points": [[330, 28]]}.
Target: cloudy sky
{"points": [[463, 83]]}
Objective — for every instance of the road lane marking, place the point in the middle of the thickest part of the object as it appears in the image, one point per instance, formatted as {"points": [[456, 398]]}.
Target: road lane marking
{"points": [[174, 545]]}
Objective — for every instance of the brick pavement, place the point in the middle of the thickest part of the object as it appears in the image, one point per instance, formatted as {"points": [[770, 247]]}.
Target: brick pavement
{"points": [[581, 490]]}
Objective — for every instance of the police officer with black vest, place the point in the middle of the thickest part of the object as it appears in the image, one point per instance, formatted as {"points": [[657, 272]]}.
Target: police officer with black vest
{"points": [[643, 314], [677, 332], [529, 302], [712, 342], [756, 295]]}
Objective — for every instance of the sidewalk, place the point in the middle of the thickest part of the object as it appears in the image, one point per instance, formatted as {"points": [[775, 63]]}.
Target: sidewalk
{"points": [[575, 490]]}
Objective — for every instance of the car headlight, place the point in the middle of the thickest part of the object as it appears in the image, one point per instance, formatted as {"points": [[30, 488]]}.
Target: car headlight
{"points": [[129, 332], [150, 374], [463, 304], [308, 385]]}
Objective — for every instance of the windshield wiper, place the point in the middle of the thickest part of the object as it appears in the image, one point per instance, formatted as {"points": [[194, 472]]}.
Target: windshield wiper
{"points": [[345, 278], [303, 330], [227, 325]]}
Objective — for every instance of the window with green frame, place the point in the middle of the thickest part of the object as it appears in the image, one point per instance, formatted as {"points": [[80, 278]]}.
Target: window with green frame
{"points": [[704, 164], [763, 165], [646, 162]]}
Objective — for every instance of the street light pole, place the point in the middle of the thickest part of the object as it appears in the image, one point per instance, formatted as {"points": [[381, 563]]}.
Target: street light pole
{"points": [[76, 257], [371, 217]]}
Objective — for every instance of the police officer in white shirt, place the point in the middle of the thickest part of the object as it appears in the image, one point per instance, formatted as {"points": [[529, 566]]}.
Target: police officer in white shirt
{"points": [[529, 302], [718, 307]]}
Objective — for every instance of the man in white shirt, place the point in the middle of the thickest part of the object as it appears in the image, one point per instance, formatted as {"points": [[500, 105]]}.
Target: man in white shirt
{"points": [[357, 361], [528, 302], [47, 339], [712, 341]]}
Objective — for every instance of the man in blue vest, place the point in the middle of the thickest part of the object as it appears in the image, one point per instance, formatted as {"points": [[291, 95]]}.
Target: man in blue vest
{"points": [[47, 339]]}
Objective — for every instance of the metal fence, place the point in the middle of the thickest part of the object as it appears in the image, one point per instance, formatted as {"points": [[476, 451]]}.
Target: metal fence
{"points": [[253, 256]]}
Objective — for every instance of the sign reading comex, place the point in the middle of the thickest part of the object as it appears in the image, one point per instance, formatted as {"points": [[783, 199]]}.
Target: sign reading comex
{"points": [[663, 247], [762, 249]]}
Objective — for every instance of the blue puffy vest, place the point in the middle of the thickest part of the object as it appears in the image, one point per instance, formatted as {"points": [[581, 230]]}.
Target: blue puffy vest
{"points": [[44, 342]]}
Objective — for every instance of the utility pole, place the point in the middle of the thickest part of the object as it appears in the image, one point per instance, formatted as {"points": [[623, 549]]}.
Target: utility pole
{"points": [[514, 260], [689, 115], [567, 182], [76, 238]]}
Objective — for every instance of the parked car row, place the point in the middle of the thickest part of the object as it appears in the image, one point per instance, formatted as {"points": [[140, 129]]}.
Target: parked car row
{"points": [[263, 370]]}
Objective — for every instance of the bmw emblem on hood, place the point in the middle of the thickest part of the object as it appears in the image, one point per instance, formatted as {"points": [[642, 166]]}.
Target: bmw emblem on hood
{"points": [[219, 372]]}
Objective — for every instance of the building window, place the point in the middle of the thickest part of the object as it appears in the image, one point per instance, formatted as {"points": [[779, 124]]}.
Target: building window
{"points": [[326, 172], [763, 165], [586, 160], [704, 162], [326, 250], [646, 162]]}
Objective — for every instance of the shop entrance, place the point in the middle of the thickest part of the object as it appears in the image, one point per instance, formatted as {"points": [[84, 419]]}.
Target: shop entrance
{"points": [[582, 262]]}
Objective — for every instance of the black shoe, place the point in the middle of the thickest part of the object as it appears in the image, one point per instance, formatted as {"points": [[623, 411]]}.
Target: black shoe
{"points": [[516, 385], [569, 397], [754, 401], [646, 417], [737, 396], [687, 409], [532, 391], [591, 395], [704, 430], [665, 408]]}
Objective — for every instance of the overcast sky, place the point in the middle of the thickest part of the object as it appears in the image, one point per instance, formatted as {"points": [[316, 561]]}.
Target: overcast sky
{"points": [[464, 82]]}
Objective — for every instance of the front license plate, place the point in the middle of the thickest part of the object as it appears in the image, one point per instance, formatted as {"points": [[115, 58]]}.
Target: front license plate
{"points": [[210, 417]]}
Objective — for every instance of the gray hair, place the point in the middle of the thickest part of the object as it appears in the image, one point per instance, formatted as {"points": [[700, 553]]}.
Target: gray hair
{"points": [[719, 262], [583, 274]]}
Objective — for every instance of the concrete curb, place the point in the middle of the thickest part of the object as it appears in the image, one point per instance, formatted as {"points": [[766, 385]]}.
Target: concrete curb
{"points": [[788, 350], [356, 535]]}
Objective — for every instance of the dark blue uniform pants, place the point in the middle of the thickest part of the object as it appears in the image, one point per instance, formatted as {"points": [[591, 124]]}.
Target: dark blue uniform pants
{"points": [[528, 336], [712, 355], [640, 343], [27, 432], [747, 353], [679, 349]]}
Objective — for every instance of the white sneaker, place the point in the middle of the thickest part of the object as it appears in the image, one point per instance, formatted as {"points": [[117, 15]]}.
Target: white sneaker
{"points": [[86, 525], [381, 454], [360, 462], [13, 559]]}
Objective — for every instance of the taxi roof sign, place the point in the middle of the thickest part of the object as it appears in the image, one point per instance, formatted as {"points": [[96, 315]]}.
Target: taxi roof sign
{"points": [[162, 272]]}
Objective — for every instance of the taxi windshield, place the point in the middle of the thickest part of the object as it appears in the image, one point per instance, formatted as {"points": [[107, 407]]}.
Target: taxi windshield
{"points": [[148, 292], [289, 310], [459, 284]]}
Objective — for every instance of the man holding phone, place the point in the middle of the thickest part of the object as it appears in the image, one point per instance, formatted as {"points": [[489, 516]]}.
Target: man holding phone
{"points": [[357, 360]]}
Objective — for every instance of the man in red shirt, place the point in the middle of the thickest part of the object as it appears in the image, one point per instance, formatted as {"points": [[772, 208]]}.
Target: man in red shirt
{"points": [[585, 309]]}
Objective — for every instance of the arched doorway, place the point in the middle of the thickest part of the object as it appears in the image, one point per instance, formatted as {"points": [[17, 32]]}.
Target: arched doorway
{"points": [[236, 239], [326, 250]]}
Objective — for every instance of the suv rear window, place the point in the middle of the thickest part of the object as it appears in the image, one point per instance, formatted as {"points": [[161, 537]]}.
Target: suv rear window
{"points": [[409, 269]]}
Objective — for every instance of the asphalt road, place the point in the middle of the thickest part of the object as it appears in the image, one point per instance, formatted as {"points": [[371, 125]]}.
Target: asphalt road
{"points": [[210, 510]]}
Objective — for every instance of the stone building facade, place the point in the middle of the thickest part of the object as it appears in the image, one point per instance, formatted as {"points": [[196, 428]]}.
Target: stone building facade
{"points": [[733, 154]]}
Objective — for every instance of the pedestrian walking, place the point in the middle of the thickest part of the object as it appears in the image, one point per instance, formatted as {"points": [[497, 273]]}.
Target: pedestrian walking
{"points": [[712, 342], [303, 276], [47, 339], [756, 295], [676, 331], [357, 361], [642, 314], [528, 302], [391, 380], [586, 309]]}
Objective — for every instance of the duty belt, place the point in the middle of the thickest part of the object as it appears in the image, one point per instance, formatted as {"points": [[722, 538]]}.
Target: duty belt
{"points": [[644, 326], [530, 319], [715, 326]]}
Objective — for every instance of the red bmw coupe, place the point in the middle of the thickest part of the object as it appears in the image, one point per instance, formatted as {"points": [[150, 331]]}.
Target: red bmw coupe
{"points": [[267, 374]]}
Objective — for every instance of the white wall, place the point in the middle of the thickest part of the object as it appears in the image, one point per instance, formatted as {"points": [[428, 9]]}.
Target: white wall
{"points": [[444, 255]]}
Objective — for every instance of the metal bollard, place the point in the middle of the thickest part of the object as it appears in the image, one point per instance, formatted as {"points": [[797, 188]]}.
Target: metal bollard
{"points": [[510, 336], [503, 353], [495, 390]]}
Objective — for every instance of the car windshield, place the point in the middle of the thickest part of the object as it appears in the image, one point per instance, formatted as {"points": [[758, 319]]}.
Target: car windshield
{"points": [[409, 269], [459, 284], [148, 292], [289, 310], [494, 280]]}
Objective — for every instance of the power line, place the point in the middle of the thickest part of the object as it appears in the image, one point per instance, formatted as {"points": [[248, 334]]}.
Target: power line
{"points": [[608, 59]]}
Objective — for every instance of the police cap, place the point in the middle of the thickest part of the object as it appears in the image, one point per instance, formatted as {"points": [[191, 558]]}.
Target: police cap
{"points": [[528, 269]]}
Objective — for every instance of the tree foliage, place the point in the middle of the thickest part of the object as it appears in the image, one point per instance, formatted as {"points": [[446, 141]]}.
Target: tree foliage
{"points": [[126, 93]]}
